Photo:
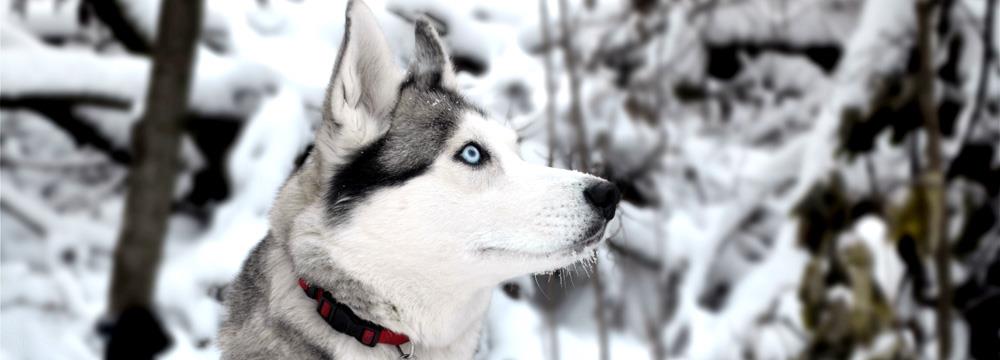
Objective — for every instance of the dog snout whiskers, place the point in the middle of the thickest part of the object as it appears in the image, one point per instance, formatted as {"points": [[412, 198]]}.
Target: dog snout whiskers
{"points": [[604, 196]]}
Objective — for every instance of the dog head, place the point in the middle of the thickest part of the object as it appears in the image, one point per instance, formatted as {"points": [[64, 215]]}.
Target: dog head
{"points": [[417, 180]]}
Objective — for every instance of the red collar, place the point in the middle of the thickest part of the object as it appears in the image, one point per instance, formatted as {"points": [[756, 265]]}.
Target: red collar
{"points": [[341, 318]]}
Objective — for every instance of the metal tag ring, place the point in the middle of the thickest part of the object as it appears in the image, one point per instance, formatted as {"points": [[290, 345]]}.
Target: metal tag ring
{"points": [[406, 354]]}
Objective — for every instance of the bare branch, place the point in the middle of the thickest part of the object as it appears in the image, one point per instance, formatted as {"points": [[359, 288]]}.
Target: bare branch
{"points": [[59, 110]]}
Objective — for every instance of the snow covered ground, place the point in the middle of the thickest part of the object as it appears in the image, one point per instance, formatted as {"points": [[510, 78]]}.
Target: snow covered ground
{"points": [[705, 259]]}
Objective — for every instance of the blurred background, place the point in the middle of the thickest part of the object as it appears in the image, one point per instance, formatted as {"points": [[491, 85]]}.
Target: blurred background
{"points": [[802, 179]]}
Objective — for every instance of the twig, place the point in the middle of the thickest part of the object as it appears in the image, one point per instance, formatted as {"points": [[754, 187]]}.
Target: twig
{"points": [[550, 114], [111, 13], [599, 310], [575, 112], [873, 187], [550, 85], [33, 216], [933, 177], [984, 69], [583, 152], [636, 256], [667, 284]]}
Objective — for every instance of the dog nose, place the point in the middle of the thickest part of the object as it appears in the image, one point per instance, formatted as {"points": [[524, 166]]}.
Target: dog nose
{"points": [[604, 196]]}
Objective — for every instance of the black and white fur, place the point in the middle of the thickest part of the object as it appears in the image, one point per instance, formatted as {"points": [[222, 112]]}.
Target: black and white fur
{"points": [[387, 216]]}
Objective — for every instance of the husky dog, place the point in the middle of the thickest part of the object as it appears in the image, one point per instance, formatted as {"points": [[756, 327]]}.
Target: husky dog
{"points": [[411, 207]]}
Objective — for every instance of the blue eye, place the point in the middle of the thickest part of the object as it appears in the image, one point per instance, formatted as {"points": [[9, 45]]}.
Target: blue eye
{"points": [[471, 154]]}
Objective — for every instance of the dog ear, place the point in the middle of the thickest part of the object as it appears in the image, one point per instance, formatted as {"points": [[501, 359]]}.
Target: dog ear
{"points": [[431, 65], [363, 88]]}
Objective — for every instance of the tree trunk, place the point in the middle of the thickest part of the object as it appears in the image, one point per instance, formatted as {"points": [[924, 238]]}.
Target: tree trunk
{"points": [[155, 142]]}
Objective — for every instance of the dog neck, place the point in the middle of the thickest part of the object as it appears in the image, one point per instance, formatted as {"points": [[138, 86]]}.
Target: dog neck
{"points": [[433, 312]]}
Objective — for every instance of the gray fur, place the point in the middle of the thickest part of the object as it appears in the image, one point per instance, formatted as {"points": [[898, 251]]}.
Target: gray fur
{"points": [[432, 67], [242, 335]]}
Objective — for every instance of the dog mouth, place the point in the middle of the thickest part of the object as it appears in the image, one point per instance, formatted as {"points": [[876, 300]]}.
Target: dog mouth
{"points": [[576, 249], [594, 238]]}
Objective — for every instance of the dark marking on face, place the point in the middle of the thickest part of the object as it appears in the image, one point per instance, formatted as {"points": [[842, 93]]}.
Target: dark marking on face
{"points": [[423, 120]]}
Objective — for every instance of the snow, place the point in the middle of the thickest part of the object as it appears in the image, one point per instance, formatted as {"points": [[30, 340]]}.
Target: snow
{"points": [[798, 22], [888, 268], [517, 328], [222, 86]]}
